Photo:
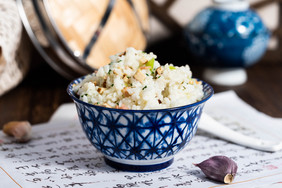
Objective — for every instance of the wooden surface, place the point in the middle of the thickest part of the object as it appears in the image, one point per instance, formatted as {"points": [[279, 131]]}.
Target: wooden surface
{"points": [[43, 90]]}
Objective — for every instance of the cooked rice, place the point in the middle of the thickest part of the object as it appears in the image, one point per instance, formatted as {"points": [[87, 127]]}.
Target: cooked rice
{"points": [[136, 80]]}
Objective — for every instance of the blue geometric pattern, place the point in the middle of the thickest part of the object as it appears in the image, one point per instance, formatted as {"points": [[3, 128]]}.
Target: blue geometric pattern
{"points": [[139, 134]]}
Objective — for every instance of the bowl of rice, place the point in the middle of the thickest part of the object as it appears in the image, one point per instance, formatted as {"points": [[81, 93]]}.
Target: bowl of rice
{"points": [[139, 113]]}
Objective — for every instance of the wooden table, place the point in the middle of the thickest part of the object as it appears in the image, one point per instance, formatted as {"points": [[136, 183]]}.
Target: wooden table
{"points": [[43, 90]]}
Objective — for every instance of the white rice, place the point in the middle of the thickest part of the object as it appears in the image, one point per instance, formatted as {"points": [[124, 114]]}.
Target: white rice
{"points": [[117, 85]]}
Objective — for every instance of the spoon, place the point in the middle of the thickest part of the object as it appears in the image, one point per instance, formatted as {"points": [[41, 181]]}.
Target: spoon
{"points": [[210, 125]]}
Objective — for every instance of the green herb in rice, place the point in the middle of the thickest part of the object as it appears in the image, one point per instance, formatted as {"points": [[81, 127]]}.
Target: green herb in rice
{"points": [[125, 81]]}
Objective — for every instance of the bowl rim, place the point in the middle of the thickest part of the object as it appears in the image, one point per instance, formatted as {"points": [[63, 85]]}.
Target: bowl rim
{"points": [[72, 95]]}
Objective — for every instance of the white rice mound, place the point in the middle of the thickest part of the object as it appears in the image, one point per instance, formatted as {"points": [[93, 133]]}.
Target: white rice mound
{"points": [[132, 81]]}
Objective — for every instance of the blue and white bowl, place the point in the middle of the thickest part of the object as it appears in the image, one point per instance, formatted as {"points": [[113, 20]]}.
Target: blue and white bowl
{"points": [[139, 140], [227, 34]]}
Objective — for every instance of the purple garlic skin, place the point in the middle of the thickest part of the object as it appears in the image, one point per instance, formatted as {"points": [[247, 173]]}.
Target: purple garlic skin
{"points": [[220, 168]]}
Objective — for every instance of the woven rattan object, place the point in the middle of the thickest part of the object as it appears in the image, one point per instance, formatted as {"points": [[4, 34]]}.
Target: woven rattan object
{"points": [[14, 47], [79, 21]]}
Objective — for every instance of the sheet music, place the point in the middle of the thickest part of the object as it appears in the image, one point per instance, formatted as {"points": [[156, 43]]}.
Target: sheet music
{"points": [[59, 155]]}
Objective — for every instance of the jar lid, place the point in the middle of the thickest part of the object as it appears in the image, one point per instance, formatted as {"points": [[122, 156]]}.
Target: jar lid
{"points": [[231, 5]]}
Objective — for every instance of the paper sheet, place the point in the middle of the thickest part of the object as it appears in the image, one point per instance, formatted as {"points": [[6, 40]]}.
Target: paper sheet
{"points": [[59, 154]]}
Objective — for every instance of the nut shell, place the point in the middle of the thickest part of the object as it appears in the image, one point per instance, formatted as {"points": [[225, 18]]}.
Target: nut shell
{"points": [[20, 130]]}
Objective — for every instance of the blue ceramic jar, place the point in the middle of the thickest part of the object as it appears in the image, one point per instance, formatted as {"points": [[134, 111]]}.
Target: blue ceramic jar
{"points": [[227, 34]]}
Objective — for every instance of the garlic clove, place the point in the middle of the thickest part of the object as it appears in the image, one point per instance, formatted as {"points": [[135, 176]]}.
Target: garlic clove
{"points": [[228, 178], [220, 168], [20, 130]]}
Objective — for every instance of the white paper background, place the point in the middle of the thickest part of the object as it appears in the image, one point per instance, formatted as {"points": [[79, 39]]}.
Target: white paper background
{"points": [[59, 154]]}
